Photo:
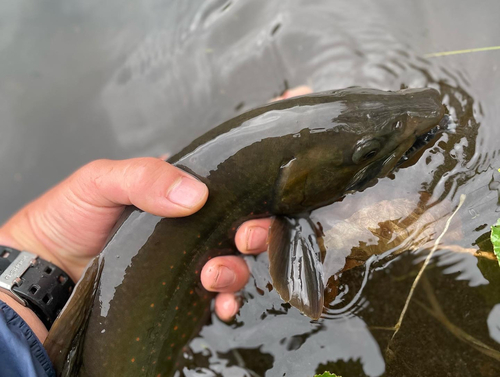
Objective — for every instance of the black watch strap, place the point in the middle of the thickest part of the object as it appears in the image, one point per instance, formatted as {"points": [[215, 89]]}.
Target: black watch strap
{"points": [[35, 283]]}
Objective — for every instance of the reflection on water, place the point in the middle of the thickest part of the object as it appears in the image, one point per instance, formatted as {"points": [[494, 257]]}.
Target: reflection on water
{"points": [[87, 80]]}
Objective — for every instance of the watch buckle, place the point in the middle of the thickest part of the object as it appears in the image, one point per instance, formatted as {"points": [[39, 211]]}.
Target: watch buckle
{"points": [[12, 276]]}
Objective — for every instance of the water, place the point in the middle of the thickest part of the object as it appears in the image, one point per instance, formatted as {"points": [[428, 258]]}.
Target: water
{"points": [[84, 80]]}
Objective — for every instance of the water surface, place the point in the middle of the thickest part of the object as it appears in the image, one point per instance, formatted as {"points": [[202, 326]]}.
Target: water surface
{"points": [[86, 80]]}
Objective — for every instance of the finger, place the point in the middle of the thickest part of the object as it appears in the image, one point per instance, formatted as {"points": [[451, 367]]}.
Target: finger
{"points": [[297, 91], [251, 237], [148, 183], [225, 274], [226, 306], [294, 92]]}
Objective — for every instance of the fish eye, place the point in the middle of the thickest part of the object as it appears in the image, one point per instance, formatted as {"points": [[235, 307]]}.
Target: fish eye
{"points": [[366, 151]]}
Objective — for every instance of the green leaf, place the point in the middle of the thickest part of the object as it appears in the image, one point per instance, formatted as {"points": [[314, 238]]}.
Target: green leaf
{"points": [[495, 239], [327, 374]]}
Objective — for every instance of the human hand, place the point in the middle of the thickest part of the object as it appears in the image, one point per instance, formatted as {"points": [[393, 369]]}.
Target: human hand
{"points": [[70, 224]]}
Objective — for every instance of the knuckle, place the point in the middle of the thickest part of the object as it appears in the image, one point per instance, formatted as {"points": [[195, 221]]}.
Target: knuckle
{"points": [[144, 173], [91, 175]]}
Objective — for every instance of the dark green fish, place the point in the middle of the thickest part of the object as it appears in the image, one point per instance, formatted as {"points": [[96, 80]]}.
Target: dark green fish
{"points": [[141, 301]]}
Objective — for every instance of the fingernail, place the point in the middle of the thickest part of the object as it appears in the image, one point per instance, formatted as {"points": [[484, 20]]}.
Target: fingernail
{"points": [[224, 277], [256, 238], [230, 307], [187, 192]]}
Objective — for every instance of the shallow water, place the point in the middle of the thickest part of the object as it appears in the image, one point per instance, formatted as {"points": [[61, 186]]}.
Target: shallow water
{"points": [[84, 81]]}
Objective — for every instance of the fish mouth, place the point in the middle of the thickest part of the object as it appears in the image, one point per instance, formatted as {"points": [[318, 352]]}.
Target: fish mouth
{"points": [[446, 124], [383, 166]]}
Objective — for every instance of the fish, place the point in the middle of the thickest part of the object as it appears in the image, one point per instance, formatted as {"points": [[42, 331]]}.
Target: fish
{"points": [[140, 301]]}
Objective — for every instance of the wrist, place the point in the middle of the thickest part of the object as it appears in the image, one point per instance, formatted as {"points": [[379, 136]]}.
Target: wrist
{"points": [[34, 286], [27, 315]]}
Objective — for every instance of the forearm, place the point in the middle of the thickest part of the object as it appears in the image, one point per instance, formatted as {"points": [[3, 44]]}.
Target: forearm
{"points": [[27, 315]]}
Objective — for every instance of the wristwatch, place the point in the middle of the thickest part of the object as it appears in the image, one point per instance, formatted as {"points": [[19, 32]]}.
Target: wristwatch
{"points": [[35, 283]]}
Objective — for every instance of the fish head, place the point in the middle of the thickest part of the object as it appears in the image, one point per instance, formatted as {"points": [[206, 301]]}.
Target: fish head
{"points": [[365, 138]]}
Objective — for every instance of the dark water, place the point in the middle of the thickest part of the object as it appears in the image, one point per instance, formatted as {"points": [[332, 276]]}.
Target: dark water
{"points": [[86, 80]]}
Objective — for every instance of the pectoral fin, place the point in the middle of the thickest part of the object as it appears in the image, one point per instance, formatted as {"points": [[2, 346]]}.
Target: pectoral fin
{"points": [[295, 265]]}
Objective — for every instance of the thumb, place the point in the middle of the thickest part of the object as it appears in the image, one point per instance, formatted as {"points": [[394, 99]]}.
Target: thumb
{"points": [[148, 183], [71, 222]]}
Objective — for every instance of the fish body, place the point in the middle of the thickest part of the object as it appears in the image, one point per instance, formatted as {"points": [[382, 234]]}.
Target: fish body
{"points": [[141, 300]]}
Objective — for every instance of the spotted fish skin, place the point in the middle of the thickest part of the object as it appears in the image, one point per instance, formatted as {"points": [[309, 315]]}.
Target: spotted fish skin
{"points": [[285, 158]]}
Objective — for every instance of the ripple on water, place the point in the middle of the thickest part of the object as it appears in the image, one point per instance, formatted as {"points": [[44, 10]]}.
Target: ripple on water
{"points": [[352, 45]]}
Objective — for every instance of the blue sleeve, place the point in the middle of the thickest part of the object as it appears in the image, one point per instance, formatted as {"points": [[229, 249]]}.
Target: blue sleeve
{"points": [[21, 353]]}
